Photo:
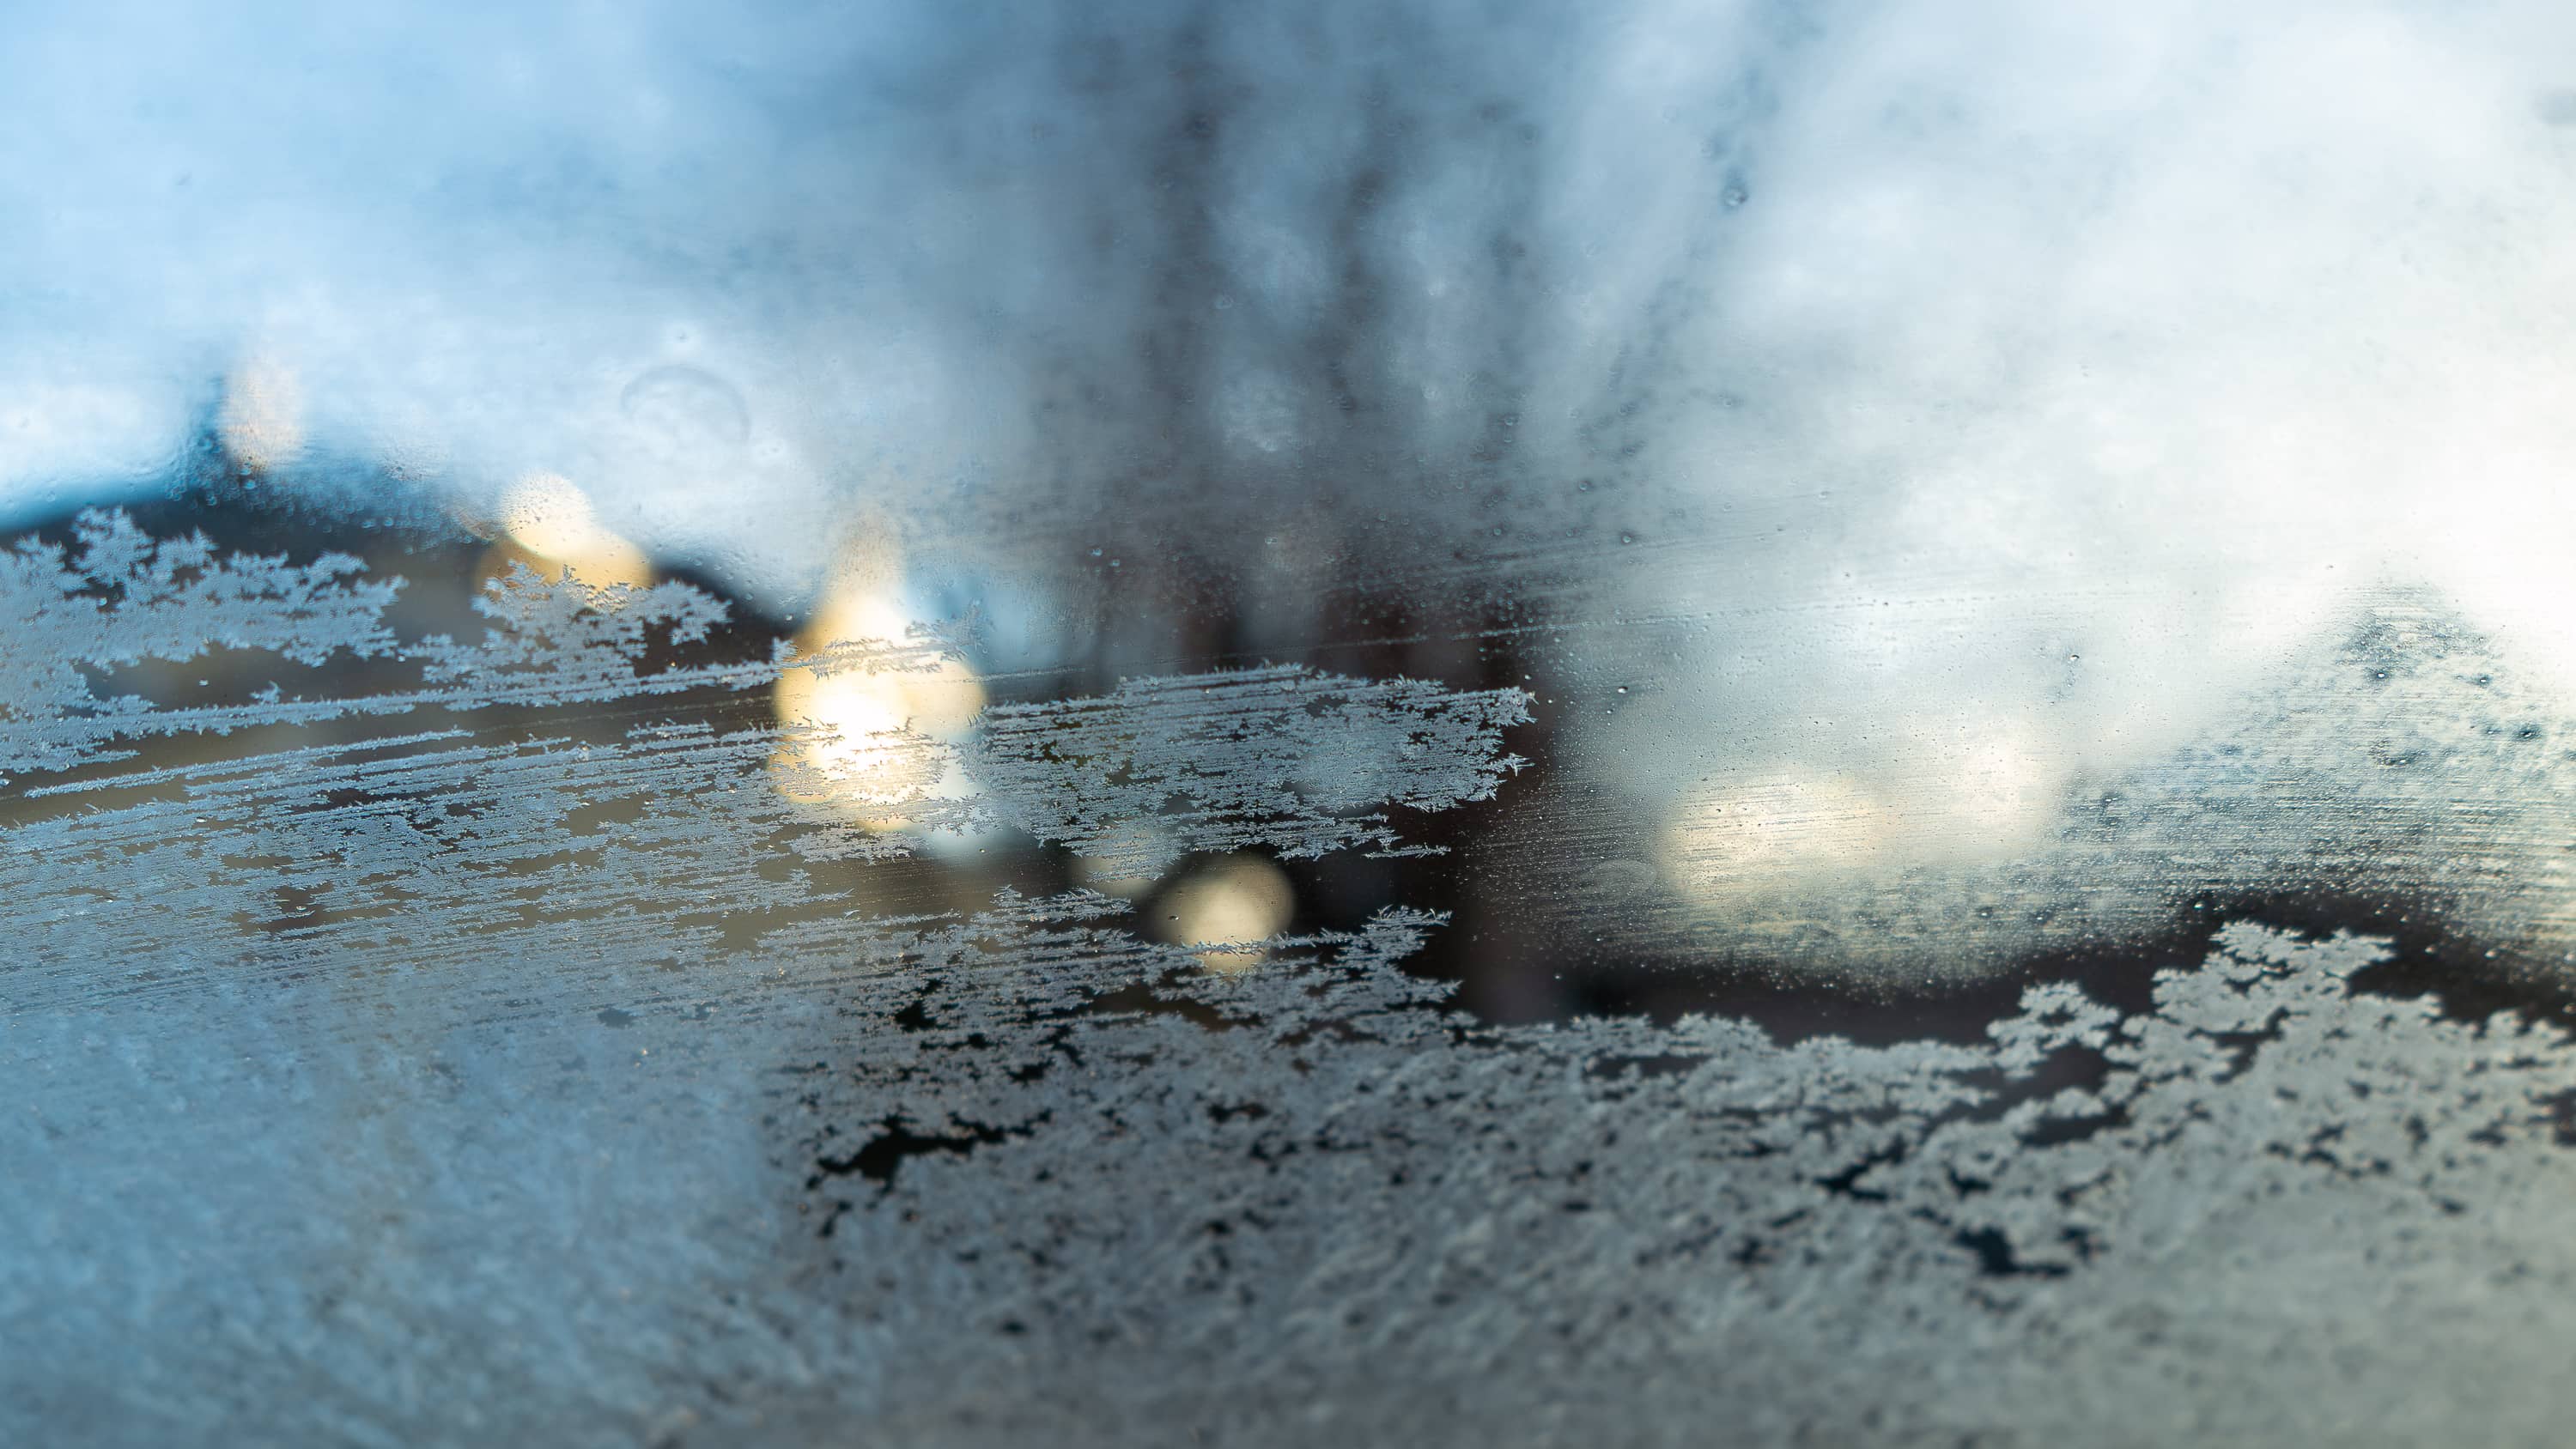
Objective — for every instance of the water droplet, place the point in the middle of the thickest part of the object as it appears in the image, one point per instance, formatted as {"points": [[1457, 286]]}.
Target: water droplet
{"points": [[677, 411]]}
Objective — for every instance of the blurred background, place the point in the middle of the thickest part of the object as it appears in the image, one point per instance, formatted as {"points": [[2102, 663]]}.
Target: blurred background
{"points": [[1969, 490], [725, 722]]}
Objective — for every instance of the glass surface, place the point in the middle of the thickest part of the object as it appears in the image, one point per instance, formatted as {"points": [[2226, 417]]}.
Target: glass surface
{"points": [[1333, 723]]}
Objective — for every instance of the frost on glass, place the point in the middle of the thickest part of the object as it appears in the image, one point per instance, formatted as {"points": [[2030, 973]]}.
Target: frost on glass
{"points": [[409, 839], [1342, 722], [513, 1011]]}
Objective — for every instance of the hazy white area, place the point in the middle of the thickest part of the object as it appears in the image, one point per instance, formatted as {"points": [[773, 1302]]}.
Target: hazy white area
{"points": [[2010, 386], [1849, 502]]}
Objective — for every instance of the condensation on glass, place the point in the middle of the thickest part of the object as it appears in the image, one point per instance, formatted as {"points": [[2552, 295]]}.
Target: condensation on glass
{"points": [[1177, 723]]}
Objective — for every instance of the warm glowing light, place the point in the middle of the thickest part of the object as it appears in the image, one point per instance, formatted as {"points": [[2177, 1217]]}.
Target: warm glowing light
{"points": [[1230, 902], [855, 746], [1770, 832], [548, 522], [1797, 827], [261, 420], [872, 738]]}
